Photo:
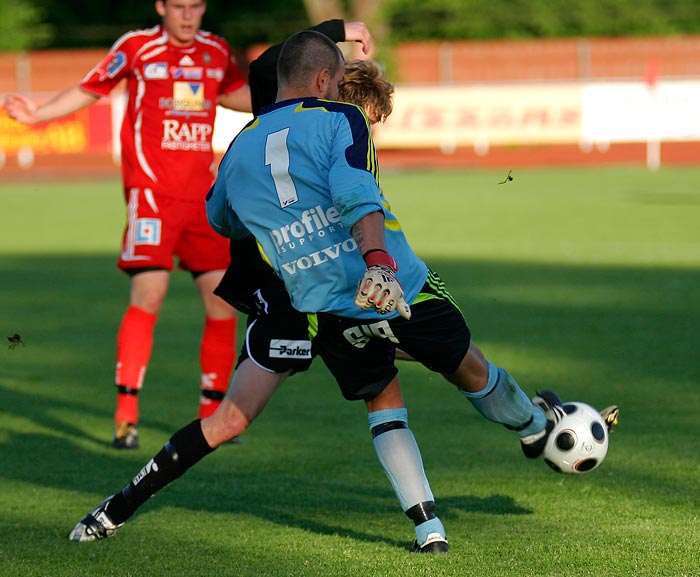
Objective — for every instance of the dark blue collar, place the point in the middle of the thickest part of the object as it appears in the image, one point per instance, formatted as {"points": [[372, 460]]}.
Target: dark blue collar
{"points": [[283, 103]]}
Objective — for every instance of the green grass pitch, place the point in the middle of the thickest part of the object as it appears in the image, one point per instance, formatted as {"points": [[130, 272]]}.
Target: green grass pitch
{"points": [[582, 281]]}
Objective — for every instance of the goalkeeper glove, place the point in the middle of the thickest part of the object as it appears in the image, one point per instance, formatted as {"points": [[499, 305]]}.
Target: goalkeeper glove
{"points": [[379, 287]]}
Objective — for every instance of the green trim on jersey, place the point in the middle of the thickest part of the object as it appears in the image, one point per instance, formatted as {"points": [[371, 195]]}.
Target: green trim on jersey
{"points": [[436, 284], [312, 319]]}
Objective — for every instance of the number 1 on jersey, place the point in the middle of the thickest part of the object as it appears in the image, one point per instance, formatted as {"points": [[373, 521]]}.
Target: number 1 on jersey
{"points": [[277, 158]]}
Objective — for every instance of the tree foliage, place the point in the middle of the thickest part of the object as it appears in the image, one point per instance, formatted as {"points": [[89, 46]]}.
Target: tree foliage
{"points": [[21, 26], [482, 19], [86, 23]]}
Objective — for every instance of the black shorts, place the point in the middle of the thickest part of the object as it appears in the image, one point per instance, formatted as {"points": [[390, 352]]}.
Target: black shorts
{"points": [[277, 336], [246, 273], [360, 352]]}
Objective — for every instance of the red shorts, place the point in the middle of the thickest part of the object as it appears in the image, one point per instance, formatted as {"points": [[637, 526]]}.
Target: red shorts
{"points": [[159, 228]]}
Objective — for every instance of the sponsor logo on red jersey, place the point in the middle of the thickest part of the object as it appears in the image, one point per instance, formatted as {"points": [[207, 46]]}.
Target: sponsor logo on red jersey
{"points": [[186, 135], [187, 73], [188, 96], [117, 62], [215, 73], [156, 71]]}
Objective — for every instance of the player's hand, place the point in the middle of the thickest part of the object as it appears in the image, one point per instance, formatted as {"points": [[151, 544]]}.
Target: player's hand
{"points": [[380, 288], [20, 108], [358, 32]]}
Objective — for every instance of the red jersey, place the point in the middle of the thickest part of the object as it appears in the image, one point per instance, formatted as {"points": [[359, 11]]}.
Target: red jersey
{"points": [[166, 134]]}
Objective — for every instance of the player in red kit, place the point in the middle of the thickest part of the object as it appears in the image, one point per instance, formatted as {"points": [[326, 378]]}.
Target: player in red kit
{"points": [[176, 74]]}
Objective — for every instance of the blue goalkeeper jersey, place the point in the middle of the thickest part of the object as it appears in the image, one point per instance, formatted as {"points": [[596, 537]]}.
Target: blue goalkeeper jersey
{"points": [[298, 177]]}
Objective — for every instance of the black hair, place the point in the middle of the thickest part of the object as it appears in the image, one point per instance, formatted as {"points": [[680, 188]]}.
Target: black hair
{"points": [[304, 54]]}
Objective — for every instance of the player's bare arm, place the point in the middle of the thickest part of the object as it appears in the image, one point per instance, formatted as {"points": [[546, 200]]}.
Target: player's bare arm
{"points": [[26, 111], [238, 100], [368, 232], [358, 32]]}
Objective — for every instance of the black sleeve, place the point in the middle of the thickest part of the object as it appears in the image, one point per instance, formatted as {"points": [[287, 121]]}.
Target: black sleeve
{"points": [[262, 74], [262, 78], [246, 273], [334, 29]]}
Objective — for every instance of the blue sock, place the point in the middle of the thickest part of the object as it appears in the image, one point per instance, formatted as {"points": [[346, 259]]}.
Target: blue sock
{"points": [[401, 460], [503, 401], [399, 456], [425, 529]]}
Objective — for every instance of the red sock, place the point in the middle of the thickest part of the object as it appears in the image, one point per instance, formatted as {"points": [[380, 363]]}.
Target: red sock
{"points": [[134, 345], [216, 356]]}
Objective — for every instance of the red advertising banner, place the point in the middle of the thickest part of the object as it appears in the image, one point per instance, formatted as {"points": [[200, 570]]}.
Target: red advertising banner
{"points": [[86, 131]]}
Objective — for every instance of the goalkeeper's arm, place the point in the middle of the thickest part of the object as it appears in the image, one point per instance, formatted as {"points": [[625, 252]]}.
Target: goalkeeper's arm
{"points": [[379, 287]]}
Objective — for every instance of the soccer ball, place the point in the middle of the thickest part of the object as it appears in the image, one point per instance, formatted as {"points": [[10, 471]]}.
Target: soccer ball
{"points": [[579, 442]]}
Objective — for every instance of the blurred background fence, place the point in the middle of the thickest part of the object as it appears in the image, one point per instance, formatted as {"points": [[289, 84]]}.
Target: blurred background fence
{"points": [[548, 60], [458, 103]]}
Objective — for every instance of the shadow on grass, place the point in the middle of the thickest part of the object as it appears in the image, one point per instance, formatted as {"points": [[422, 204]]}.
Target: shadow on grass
{"points": [[602, 314], [68, 311], [294, 500], [626, 326]]}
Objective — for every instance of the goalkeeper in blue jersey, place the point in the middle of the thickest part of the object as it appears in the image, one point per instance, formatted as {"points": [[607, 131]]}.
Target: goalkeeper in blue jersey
{"points": [[303, 179], [252, 287]]}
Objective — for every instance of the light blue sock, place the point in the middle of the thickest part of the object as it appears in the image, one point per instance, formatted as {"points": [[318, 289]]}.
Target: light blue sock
{"points": [[425, 529], [401, 460], [503, 401], [400, 457]]}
